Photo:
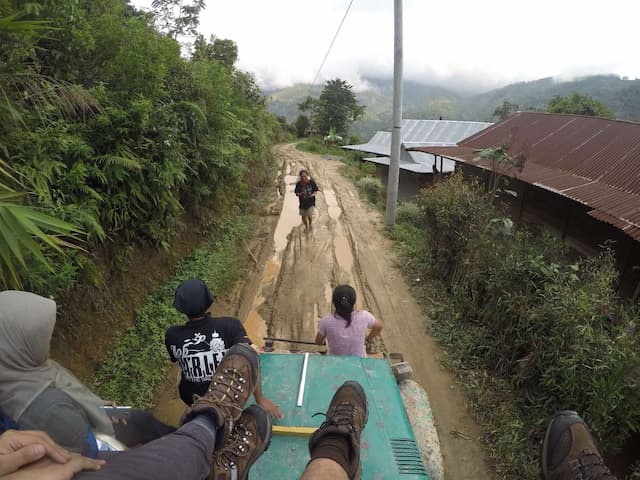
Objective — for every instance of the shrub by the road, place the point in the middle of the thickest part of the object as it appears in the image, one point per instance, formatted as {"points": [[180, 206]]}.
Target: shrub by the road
{"points": [[372, 189], [138, 362], [530, 332]]}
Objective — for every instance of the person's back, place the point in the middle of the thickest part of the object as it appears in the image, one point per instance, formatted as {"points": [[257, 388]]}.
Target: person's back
{"points": [[343, 339], [200, 344], [346, 329]]}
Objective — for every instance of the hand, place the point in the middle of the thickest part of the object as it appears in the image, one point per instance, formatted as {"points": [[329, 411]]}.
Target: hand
{"points": [[118, 419], [19, 448], [46, 469], [109, 403], [271, 408]]}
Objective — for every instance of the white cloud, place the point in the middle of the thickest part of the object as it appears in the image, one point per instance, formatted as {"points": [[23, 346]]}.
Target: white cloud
{"points": [[456, 43]]}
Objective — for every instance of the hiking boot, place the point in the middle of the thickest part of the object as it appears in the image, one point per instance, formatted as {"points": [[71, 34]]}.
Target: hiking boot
{"points": [[248, 440], [346, 416], [231, 386], [570, 452]]}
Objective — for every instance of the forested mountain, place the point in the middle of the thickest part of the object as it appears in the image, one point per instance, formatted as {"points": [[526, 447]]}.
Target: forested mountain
{"points": [[112, 130], [429, 101]]}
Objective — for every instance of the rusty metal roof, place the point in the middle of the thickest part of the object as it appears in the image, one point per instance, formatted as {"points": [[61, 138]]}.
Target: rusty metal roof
{"points": [[591, 160]]}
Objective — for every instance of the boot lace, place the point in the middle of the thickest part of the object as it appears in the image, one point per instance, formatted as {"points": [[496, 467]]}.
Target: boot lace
{"points": [[590, 466], [237, 446], [342, 414], [230, 383]]}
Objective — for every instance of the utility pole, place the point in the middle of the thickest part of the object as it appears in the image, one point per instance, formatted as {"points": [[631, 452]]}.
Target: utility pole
{"points": [[396, 133]]}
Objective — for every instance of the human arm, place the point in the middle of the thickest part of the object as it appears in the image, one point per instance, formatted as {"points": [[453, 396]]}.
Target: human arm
{"points": [[376, 327], [168, 342], [265, 403], [321, 334]]}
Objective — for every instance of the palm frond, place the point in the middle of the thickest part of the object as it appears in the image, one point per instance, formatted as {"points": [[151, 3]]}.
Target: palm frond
{"points": [[24, 231], [120, 161], [72, 101], [11, 24]]}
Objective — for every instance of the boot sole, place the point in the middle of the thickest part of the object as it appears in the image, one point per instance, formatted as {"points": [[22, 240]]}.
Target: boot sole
{"points": [[264, 444]]}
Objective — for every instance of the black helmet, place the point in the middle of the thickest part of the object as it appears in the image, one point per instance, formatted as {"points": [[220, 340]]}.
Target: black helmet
{"points": [[192, 298]]}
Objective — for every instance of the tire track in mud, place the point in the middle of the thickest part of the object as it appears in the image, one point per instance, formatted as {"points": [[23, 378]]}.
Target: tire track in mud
{"points": [[347, 246], [289, 289]]}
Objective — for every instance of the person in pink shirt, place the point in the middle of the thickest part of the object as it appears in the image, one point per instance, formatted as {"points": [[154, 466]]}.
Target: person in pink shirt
{"points": [[346, 329]]}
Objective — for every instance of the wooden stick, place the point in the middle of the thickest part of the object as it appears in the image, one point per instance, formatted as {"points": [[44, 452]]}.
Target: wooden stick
{"points": [[293, 431], [253, 257]]}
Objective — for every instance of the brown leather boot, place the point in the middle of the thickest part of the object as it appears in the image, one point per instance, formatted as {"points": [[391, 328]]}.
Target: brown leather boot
{"points": [[569, 451], [248, 440], [231, 386], [346, 417]]}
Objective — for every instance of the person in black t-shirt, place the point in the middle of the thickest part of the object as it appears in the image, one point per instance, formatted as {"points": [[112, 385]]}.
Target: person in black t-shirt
{"points": [[200, 344], [306, 190]]}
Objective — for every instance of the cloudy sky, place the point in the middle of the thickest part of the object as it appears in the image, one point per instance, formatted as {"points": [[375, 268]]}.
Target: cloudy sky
{"points": [[476, 44]]}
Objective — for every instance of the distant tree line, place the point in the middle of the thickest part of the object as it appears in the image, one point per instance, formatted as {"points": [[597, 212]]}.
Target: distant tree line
{"points": [[574, 104]]}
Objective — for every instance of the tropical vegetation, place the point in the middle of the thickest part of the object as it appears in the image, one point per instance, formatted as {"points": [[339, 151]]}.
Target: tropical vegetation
{"points": [[107, 127], [529, 331], [579, 104]]}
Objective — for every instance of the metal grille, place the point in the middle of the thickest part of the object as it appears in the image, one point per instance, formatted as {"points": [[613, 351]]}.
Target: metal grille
{"points": [[407, 456]]}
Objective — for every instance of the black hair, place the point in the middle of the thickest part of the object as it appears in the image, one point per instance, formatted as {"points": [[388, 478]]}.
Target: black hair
{"points": [[303, 171], [344, 299], [192, 298]]}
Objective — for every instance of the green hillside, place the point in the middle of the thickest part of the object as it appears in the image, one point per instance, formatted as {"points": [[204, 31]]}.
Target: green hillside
{"points": [[622, 96], [428, 101]]}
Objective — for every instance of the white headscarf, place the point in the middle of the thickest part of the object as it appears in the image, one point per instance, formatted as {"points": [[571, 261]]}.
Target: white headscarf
{"points": [[26, 326]]}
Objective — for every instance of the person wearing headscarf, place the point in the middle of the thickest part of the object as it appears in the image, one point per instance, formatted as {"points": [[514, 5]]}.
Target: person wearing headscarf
{"points": [[40, 394], [345, 330]]}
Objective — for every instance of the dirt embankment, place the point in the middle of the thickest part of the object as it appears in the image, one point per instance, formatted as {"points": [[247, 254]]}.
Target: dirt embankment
{"points": [[288, 288]]}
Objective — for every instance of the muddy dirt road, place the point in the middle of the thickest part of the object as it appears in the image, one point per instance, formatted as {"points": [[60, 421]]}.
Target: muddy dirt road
{"points": [[295, 271]]}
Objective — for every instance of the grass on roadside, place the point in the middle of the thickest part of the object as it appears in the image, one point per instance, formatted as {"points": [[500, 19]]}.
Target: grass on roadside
{"points": [[315, 145], [138, 361]]}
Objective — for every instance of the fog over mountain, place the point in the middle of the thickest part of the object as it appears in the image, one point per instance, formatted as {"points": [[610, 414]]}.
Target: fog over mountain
{"points": [[421, 100]]}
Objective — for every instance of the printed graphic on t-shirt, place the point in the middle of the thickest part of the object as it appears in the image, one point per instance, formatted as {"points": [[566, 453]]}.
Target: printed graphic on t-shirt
{"points": [[199, 357]]}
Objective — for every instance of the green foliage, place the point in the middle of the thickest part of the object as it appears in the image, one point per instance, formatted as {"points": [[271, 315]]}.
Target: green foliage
{"points": [[26, 234], [530, 332], [337, 108], [221, 50], [114, 132], [178, 18], [579, 104], [302, 124], [506, 110], [372, 189], [139, 351], [500, 161], [315, 145], [409, 214]]}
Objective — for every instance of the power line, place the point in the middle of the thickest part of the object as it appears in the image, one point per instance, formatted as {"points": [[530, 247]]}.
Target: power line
{"points": [[331, 45]]}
